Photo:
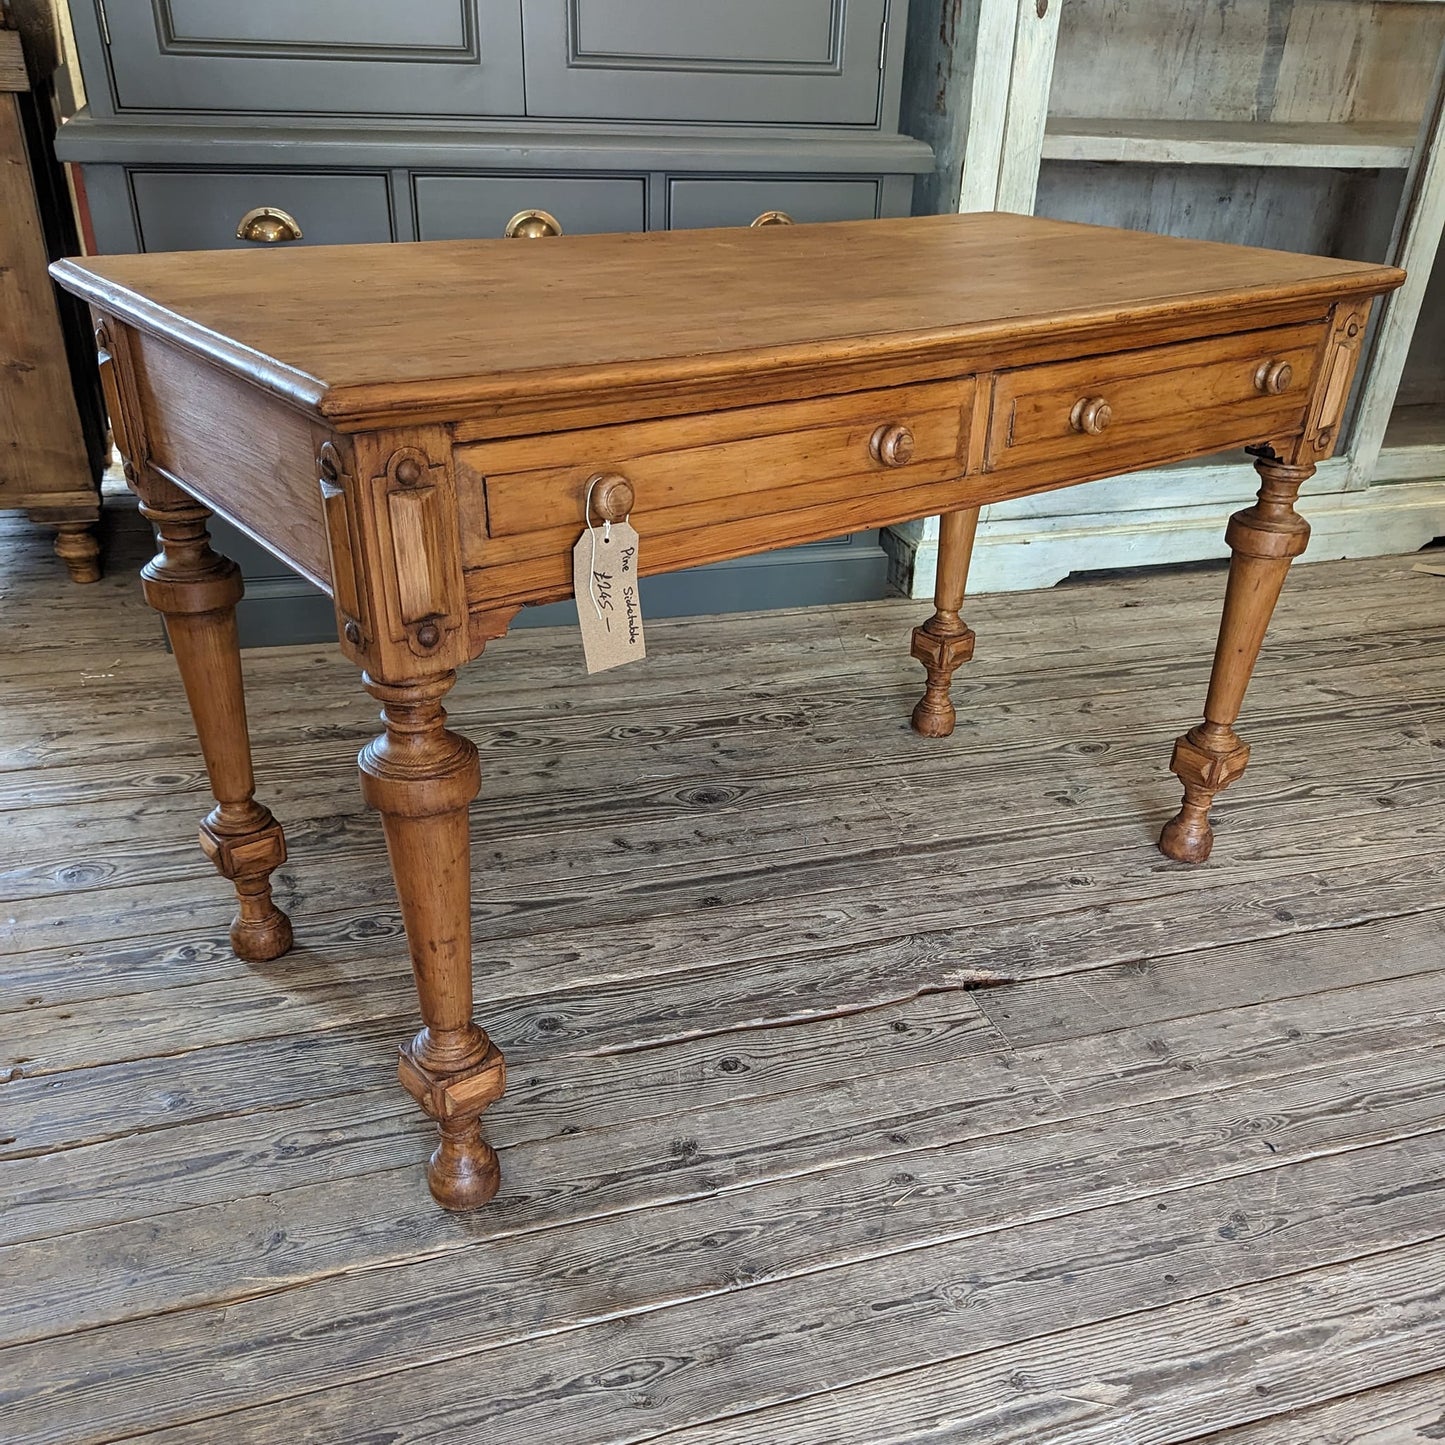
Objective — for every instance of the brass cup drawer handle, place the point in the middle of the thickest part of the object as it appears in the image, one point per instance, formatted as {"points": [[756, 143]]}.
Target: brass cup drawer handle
{"points": [[268, 226], [533, 224], [892, 445], [1091, 415], [1273, 377], [772, 218], [612, 496]]}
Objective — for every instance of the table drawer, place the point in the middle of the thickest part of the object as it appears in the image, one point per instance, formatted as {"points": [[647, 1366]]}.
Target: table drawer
{"points": [[717, 485], [1140, 407], [201, 210]]}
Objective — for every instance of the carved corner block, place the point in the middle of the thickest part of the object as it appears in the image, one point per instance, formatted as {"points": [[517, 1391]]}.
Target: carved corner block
{"points": [[394, 535], [1332, 385]]}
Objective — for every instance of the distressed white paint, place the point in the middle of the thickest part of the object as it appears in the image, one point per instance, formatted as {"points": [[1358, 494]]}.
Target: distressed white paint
{"points": [[1010, 556], [1035, 39], [1416, 247], [1345, 146]]}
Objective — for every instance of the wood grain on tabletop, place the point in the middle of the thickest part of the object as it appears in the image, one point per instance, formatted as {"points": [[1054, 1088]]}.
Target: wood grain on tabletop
{"points": [[420, 315]]}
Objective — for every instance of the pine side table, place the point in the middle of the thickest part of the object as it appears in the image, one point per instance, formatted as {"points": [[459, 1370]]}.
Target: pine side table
{"points": [[416, 428]]}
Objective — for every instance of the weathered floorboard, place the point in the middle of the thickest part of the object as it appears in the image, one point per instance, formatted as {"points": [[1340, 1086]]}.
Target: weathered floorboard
{"points": [[303, 1139], [1231, 1356], [1408, 1412], [1052, 1223], [862, 1088]]}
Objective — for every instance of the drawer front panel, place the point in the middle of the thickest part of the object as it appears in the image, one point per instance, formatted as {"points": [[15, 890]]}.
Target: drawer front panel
{"points": [[694, 203], [460, 208], [1144, 406], [200, 210], [698, 479], [803, 62]]}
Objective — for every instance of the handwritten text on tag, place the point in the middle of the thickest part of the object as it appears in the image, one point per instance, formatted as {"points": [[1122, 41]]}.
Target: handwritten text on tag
{"points": [[604, 578]]}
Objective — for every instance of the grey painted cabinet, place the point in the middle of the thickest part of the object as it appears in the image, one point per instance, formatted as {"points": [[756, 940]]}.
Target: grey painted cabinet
{"points": [[803, 62], [369, 120], [313, 57]]}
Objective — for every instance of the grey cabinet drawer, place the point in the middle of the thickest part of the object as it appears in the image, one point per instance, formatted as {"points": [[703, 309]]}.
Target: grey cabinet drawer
{"points": [[696, 202], [199, 210], [338, 57], [797, 62], [453, 208]]}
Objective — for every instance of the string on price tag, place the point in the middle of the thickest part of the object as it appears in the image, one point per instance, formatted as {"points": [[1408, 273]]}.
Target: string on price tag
{"points": [[604, 580]]}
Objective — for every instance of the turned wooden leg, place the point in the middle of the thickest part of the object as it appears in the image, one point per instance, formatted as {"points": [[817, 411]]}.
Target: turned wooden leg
{"points": [[1207, 759], [196, 591], [421, 777], [78, 547], [945, 641]]}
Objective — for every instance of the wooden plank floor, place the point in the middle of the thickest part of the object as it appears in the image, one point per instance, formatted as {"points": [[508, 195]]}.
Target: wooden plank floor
{"points": [[863, 1089]]}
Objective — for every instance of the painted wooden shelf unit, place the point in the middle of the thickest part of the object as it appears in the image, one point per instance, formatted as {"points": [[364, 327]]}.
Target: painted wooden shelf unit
{"points": [[1313, 126]]}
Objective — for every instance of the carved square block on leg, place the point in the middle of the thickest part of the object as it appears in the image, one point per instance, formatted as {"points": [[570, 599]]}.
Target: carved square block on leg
{"points": [[453, 1096], [236, 855], [942, 656], [1212, 771]]}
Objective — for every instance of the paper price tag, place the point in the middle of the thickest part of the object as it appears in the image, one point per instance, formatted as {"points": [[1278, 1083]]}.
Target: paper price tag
{"points": [[604, 579]]}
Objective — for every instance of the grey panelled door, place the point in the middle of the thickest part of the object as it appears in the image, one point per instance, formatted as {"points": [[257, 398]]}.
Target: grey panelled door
{"points": [[791, 62], [345, 57]]}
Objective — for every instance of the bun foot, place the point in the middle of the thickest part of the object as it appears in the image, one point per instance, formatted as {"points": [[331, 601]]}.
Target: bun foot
{"points": [[1206, 760], [77, 547], [1187, 836], [259, 940], [934, 717], [464, 1172]]}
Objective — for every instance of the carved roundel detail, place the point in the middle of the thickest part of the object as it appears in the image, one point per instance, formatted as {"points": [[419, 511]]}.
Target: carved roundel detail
{"points": [[329, 462]]}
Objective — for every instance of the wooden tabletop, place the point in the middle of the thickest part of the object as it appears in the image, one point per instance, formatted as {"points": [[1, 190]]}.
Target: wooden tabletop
{"points": [[343, 329]]}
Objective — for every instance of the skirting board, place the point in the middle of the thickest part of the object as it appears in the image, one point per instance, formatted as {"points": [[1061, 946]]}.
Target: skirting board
{"points": [[1013, 554], [280, 608]]}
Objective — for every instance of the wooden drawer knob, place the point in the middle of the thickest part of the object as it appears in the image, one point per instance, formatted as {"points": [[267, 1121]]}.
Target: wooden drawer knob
{"points": [[1273, 377], [772, 218], [1091, 414], [268, 226], [532, 224], [612, 496], [892, 445]]}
